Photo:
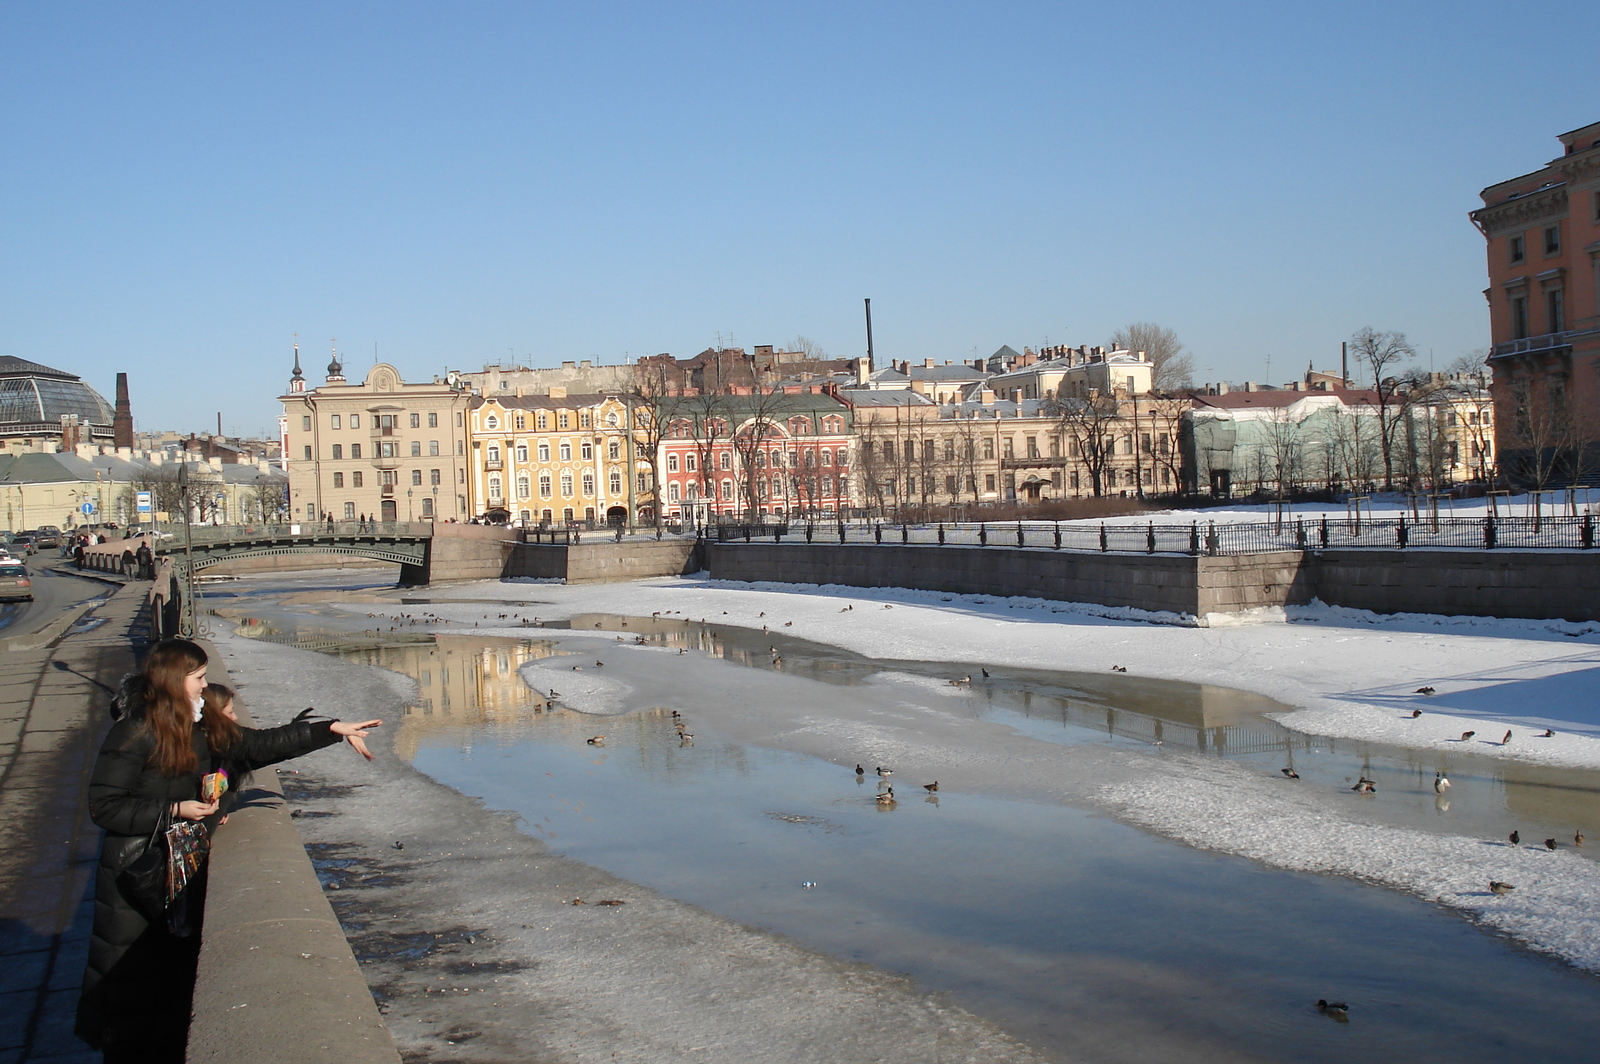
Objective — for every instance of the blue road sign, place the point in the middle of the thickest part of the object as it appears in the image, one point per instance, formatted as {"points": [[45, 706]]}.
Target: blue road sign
{"points": [[87, 508]]}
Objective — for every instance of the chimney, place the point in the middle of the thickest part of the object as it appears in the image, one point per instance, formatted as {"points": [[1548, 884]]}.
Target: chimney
{"points": [[1016, 395], [557, 392], [986, 397], [1250, 386], [122, 423], [927, 363], [1222, 387]]}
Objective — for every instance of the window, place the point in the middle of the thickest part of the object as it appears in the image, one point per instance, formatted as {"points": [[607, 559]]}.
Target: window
{"points": [[563, 420], [1055, 447], [433, 476], [614, 450], [586, 451], [433, 420], [588, 484], [524, 487], [494, 453], [727, 460], [349, 511], [355, 450], [1552, 240], [566, 451], [416, 448], [355, 421], [641, 482], [583, 419], [613, 420], [988, 452], [825, 458], [386, 476], [1555, 309], [308, 452], [355, 479], [1006, 448], [827, 485], [416, 421], [386, 421], [338, 480], [491, 422], [544, 485], [727, 490], [1517, 247], [461, 476], [949, 450], [689, 463], [988, 482], [433, 448], [950, 485], [305, 425], [1519, 317], [427, 505], [1146, 443], [338, 451], [566, 484], [615, 482], [844, 457], [672, 463], [334, 421], [416, 477], [522, 452], [494, 487], [672, 492], [460, 420], [888, 450], [522, 422], [1127, 445]]}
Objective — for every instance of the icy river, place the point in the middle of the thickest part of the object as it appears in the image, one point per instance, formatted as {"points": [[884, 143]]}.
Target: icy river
{"points": [[1013, 887]]}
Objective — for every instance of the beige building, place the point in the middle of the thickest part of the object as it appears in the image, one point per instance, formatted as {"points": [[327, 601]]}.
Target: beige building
{"points": [[382, 448], [553, 459]]}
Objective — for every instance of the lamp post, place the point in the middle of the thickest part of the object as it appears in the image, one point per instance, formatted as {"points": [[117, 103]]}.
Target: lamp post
{"points": [[435, 514], [408, 505], [186, 623]]}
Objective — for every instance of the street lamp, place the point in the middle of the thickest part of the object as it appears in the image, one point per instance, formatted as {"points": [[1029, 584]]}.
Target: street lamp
{"points": [[435, 514], [408, 506]]}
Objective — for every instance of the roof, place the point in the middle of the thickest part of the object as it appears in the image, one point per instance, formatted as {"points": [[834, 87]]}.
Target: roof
{"points": [[1279, 398], [868, 397], [32, 395], [947, 373], [1006, 352], [11, 365], [543, 402]]}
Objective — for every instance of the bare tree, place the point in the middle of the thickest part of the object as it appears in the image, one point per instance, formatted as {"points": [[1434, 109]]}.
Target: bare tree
{"points": [[1166, 420], [808, 347], [654, 400], [1173, 369], [757, 417], [1383, 353], [1090, 426]]}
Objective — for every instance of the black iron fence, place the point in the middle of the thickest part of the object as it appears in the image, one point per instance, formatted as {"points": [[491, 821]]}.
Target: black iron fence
{"points": [[1197, 537]]}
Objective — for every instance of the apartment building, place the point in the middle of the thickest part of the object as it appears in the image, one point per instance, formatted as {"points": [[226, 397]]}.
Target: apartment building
{"points": [[554, 459], [382, 449], [1542, 234]]}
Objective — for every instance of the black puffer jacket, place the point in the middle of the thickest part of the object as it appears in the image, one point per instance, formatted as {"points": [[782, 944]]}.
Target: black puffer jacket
{"points": [[126, 798]]}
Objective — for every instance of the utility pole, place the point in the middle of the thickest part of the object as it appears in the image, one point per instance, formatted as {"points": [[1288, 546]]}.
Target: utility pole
{"points": [[1344, 364]]}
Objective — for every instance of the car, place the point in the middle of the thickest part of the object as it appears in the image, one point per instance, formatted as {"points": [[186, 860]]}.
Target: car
{"points": [[43, 538], [14, 583], [23, 545]]}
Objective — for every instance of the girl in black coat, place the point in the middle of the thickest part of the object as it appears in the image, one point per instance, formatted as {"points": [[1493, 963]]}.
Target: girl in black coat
{"points": [[137, 986]]}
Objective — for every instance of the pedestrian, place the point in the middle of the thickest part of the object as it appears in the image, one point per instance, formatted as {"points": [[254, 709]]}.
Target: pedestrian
{"points": [[165, 743], [146, 558]]}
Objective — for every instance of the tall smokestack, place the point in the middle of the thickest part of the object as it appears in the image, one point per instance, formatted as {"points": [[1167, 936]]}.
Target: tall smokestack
{"points": [[122, 424], [869, 334]]}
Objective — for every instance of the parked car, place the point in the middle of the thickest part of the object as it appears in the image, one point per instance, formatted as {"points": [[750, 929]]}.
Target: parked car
{"points": [[43, 538], [14, 583], [23, 545]]}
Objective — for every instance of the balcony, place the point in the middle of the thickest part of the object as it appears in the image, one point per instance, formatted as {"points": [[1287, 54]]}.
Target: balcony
{"points": [[494, 465], [386, 461], [1532, 345], [496, 502], [1034, 462]]}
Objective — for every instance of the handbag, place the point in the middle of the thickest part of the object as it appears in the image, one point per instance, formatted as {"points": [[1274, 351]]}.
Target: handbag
{"points": [[172, 856]]}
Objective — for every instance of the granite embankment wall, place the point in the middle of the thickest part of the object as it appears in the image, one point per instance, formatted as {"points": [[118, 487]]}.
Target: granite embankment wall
{"points": [[603, 561], [1555, 584]]}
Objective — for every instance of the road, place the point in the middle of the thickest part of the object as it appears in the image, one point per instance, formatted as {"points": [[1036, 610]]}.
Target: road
{"points": [[52, 594]]}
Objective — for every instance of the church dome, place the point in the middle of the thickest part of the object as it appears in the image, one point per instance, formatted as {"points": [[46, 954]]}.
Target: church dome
{"points": [[34, 398]]}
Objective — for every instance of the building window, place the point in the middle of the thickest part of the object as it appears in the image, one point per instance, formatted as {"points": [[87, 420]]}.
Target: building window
{"points": [[305, 423], [427, 506], [416, 477], [460, 420], [614, 450], [349, 511], [433, 420], [844, 457], [616, 482], [522, 422], [544, 485], [1033, 446], [433, 448], [566, 485], [583, 419], [355, 421], [522, 452], [988, 482], [355, 479], [524, 488], [338, 451], [416, 421], [338, 480], [491, 422], [565, 449], [563, 419], [1519, 317], [386, 476], [672, 492], [1518, 247], [689, 463], [355, 450], [988, 450], [672, 463], [416, 448], [1554, 306], [950, 485], [727, 490], [588, 484], [308, 452], [433, 476], [334, 421], [494, 487], [566, 515], [586, 451], [1552, 240], [494, 453], [541, 421], [641, 482]]}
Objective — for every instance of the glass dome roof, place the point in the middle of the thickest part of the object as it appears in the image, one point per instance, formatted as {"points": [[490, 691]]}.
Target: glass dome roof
{"points": [[34, 398]]}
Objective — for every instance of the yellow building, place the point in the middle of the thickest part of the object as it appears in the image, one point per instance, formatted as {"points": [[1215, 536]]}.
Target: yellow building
{"points": [[552, 459], [381, 449]]}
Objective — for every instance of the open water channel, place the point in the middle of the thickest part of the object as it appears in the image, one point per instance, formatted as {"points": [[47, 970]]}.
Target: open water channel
{"points": [[1077, 933]]}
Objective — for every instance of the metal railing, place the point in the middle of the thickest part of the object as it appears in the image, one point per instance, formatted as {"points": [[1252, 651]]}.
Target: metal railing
{"points": [[1229, 538]]}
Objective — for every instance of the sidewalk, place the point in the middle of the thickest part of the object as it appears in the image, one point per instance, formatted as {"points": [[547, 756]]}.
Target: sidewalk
{"points": [[52, 717]]}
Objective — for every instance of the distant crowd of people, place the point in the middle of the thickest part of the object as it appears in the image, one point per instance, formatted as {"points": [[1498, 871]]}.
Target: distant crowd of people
{"points": [[138, 562]]}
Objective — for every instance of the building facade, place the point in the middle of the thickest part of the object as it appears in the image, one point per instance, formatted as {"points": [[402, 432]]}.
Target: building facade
{"points": [[381, 449], [553, 459], [1543, 242]]}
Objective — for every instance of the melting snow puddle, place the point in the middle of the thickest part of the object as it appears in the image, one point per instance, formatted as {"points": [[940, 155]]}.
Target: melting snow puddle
{"points": [[1006, 889]]}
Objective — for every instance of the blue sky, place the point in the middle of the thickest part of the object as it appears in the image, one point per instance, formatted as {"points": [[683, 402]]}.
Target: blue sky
{"points": [[184, 186]]}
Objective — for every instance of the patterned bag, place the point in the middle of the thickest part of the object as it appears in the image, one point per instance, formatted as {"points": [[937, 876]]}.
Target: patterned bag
{"points": [[188, 843]]}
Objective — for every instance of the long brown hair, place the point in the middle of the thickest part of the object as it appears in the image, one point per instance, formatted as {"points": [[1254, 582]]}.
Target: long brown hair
{"points": [[168, 713], [222, 731]]}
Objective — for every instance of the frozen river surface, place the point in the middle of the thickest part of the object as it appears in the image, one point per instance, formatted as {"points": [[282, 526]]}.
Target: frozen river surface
{"points": [[1008, 889]]}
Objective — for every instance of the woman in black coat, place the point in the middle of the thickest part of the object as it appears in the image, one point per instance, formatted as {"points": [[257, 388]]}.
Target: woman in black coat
{"points": [[140, 975]]}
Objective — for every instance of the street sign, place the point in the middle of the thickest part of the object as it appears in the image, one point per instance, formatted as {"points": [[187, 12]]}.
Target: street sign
{"points": [[87, 508], [142, 502]]}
